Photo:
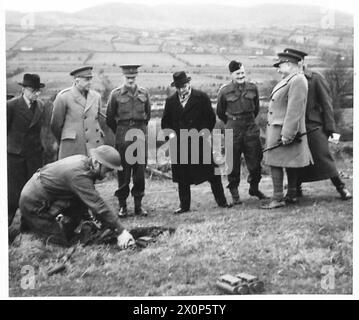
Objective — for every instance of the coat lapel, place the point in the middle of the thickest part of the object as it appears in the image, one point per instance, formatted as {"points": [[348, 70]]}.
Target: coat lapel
{"points": [[38, 112], [91, 98], [23, 110], [190, 103], [78, 96], [281, 84]]}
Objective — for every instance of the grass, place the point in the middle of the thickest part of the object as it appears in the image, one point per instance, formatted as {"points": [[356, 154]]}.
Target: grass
{"points": [[287, 248]]}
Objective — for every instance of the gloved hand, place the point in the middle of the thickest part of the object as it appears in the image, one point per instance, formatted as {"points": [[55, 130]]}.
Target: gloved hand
{"points": [[125, 239], [329, 134]]}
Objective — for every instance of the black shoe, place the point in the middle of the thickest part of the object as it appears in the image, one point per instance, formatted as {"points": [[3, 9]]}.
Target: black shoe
{"points": [[141, 212], [257, 193], [123, 213], [290, 199], [224, 205], [180, 211], [345, 194], [235, 202]]}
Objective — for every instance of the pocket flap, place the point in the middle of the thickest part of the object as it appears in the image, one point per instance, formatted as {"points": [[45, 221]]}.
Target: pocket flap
{"points": [[250, 95], [277, 122], [124, 99], [142, 97], [232, 98], [68, 135]]}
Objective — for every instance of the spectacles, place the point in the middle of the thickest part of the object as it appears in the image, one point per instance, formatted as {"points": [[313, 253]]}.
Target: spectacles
{"points": [[34, 91]]}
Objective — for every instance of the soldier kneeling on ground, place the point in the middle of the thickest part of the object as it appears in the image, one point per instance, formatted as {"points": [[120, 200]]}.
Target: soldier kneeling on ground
{"points": [[58, 197]]}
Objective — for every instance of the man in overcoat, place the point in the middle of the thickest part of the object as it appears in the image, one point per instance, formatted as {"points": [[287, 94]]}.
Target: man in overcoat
{"points": [[237, 107], [25, 115], [55, 200], [188, 109], [129, 108], [286, 118], [319, 114], [74, 120]]}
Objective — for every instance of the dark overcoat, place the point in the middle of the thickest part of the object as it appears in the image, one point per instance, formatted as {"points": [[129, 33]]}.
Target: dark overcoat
{"points": [[319, 113], [24, 147], [197, 114]]}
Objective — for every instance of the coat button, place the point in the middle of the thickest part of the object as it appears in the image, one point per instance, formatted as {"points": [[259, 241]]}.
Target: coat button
{"points": [[86, 129], [97, 130], [272, 99], [268, 124], [97, 141], [85, 117], [271, 112]]}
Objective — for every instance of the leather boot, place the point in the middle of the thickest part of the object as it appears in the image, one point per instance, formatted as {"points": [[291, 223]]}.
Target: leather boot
{"points": [[139, 211], [123, 213], [235, 196], [344, 193], [255, 192]]}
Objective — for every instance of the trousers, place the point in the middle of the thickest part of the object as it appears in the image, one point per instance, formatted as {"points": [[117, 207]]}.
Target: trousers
{"points": [[184, 192]]}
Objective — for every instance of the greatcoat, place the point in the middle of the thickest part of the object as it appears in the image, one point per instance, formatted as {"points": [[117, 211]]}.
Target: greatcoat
{"points": [[74, 122], [286, 117], [320, 114]]}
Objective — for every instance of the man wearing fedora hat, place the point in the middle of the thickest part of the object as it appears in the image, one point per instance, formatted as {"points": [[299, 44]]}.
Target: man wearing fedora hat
{"points": [[319, 113], [57, 197], [286, 118], [25, 115], [74, 120], [128, 108], [237, 107], [191, 109]]}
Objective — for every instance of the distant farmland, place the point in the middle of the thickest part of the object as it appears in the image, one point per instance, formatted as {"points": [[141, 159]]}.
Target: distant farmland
{"points": [[146, 59]]}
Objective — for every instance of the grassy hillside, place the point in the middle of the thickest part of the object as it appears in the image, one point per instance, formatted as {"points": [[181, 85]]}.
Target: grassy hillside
{"points": [[290, 249]]}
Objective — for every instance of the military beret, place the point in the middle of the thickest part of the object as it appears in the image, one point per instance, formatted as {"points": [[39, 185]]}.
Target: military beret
{"points": [[234, 66], [287, 57], [297, 52], [130, 69], [85, 72]]}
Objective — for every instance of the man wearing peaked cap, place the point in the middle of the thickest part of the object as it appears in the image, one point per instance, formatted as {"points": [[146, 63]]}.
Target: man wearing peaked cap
{"points": [[130, 69], [75, 115], [287, 57], [129, 108], [25, 116], [85, 72], [319, 113], [286, 118], [237, 107]]}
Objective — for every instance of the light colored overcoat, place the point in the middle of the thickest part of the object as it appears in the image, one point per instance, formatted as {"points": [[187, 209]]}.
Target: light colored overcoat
{"points": [[74, 122], [286, 117]]}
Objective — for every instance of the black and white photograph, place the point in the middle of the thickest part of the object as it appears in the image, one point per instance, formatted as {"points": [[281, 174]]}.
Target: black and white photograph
{"points": [[182, 149]]}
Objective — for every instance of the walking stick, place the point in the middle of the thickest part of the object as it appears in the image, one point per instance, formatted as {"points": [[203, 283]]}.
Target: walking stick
{"points": [[295, 140]]}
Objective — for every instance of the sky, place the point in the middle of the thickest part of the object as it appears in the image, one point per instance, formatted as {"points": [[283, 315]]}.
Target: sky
{"points": [[72, 6]]}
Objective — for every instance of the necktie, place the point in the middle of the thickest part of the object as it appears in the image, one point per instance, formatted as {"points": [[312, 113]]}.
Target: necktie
{"points": [[32, 107]]}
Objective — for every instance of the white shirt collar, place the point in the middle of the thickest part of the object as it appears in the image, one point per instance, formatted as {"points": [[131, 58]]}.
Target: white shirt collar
{"points": [[28, 102]]}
